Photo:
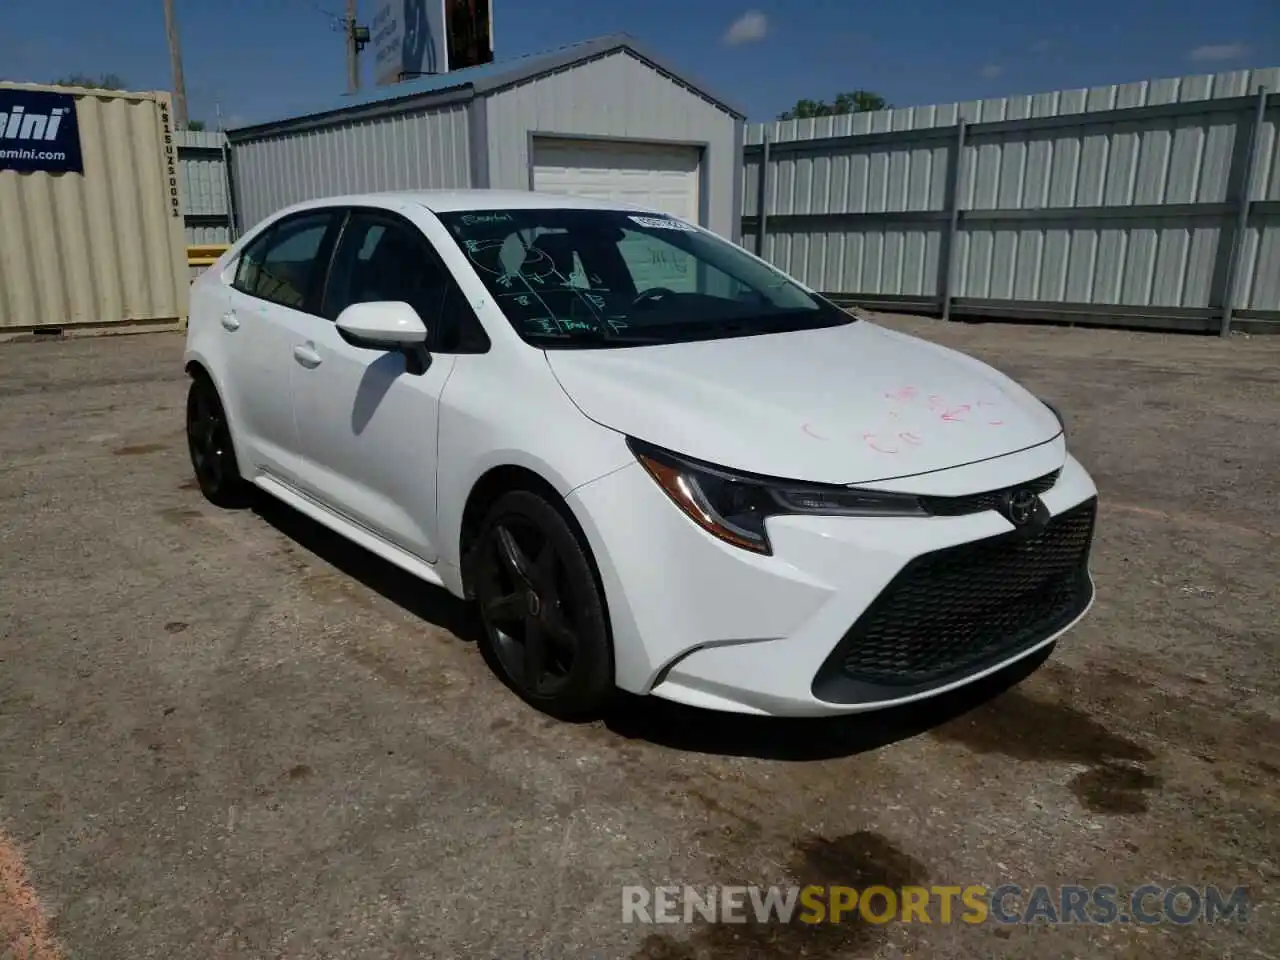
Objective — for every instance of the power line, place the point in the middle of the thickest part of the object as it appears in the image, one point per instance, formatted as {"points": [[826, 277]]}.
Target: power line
{"points": [[355, 37], [332, 15], [325, 12]]}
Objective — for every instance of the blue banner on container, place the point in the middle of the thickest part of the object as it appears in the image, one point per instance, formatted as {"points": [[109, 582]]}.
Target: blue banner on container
{"points": [[38, 131]]}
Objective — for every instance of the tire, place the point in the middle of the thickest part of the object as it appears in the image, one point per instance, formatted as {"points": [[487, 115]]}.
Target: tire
{"points": [[213, 457], [535, 582]]}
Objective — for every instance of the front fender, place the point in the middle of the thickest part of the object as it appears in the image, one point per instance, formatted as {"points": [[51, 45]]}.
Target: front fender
{"points": [[482, 427]]}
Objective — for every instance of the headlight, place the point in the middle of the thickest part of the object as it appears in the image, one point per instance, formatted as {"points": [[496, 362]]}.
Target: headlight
{"points": [[1057, 413], [733, 506]]}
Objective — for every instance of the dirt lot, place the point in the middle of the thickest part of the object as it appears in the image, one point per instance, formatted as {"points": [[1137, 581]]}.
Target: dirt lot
{"points": [[226, 734]]}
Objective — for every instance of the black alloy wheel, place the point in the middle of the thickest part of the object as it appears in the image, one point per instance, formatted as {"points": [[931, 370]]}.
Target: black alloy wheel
{"points": [[213, 458], [546, 631]]}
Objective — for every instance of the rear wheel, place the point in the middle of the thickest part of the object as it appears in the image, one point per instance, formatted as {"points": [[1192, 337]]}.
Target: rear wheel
{"points": [[213, 458], [546, 631]]}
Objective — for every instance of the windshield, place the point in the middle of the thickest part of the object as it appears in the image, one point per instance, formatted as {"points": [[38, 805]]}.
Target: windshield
{"points": [[613, 278]]}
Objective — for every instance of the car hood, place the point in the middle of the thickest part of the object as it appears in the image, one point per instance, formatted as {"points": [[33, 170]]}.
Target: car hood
{"points": [[851, 404]]}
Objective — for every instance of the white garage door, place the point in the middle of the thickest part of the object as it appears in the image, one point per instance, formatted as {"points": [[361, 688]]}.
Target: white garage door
{"points": [[660, 176]]}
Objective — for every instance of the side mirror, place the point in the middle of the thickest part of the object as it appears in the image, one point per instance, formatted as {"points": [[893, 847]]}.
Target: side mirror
{"points": [[388, 324]]}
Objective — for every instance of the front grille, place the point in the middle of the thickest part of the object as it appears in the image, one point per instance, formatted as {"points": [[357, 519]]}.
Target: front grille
{"points": [[954, 611], [989, 500]]}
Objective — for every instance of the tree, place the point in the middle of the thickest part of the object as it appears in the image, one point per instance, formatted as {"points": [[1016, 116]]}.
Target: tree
{"points": [[106, 81], [854, 101]]}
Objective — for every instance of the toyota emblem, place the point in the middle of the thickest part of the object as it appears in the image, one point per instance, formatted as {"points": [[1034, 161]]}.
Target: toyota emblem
{"points": [[1022, 506]]}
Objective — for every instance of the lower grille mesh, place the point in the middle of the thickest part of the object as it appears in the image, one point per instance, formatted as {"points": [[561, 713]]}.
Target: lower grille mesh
{"points": [[952, 611]]}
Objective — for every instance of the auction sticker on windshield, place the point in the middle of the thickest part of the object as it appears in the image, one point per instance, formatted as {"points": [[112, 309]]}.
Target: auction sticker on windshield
{"points": [[662, 223]]}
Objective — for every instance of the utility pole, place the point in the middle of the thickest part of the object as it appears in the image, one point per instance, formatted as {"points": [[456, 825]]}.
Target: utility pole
{"points": [[175, 61], [353, 56], [357, 39]]}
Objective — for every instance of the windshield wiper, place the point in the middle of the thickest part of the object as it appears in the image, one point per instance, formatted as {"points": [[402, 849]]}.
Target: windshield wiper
{"points": [[626, 336], [714, 329], [593, 337], [788, 322]]}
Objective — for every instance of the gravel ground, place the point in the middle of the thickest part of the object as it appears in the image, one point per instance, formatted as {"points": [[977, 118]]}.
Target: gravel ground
{"points": [[229, 734]]}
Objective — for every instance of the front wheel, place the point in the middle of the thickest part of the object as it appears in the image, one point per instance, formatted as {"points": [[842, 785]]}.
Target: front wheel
{"points": [[546, 630], [213, 458]]}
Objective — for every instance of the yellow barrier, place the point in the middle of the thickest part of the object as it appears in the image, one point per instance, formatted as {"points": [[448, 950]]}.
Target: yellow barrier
{"points": [[205, 255]]}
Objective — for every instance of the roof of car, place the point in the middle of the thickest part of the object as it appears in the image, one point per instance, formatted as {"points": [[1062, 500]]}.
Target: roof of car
{"points": [[454, 201]]}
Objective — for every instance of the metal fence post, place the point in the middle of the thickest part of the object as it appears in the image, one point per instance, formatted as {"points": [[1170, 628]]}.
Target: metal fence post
{"points": [[228, 176], [762, 196], [953, 221], [1234, 265]]}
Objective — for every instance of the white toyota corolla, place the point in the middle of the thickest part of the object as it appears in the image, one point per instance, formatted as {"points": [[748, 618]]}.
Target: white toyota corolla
{"points": [[657, 463]]}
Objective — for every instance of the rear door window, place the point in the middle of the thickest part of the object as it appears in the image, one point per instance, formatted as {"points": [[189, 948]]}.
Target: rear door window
{"points": [[285, 263]]}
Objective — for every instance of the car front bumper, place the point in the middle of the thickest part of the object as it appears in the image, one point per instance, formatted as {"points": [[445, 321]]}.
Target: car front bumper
{"points": [[848, 614]]}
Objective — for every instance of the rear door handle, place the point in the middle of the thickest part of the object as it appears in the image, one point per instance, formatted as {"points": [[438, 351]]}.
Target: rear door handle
{"points": [[306, 355], [230, 322]]}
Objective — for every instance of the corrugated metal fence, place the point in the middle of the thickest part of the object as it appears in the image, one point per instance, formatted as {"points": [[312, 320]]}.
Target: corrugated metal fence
{"points": [[1121, 204], [206, 205]]}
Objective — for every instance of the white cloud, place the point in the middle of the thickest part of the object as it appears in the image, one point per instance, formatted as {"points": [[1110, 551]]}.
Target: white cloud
{"points": [[1218, 51], [748, 28], [991, 70]]}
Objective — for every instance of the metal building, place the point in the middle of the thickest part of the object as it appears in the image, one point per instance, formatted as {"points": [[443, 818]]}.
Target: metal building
{"points": [[603, 118]]}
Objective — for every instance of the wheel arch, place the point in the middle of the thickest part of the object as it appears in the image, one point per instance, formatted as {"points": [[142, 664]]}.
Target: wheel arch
{"points": [[197, 364], [487, 489], [197, 368]]}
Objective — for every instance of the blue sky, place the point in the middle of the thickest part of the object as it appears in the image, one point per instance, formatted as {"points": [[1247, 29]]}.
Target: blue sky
{"points": [[264, 58]]}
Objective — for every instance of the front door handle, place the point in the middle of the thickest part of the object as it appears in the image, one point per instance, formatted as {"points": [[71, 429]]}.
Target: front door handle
{"points": [[306, 355], [230, 322]]}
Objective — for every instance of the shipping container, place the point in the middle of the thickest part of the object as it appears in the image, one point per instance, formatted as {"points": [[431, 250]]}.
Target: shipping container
{"points": [[91, 223]]}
